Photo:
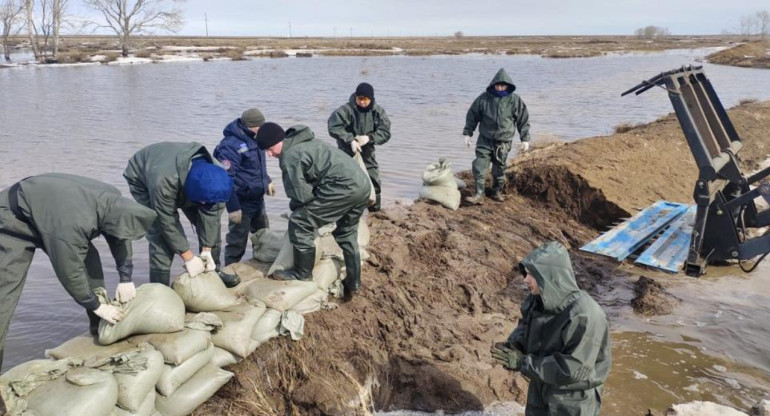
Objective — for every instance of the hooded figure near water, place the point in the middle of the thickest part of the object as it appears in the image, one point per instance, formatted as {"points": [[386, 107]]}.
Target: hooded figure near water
{"points": [[61, 214], [498, 112], [562, 342]]}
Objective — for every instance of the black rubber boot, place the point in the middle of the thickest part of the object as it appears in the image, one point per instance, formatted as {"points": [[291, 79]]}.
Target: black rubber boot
{"points": [[93, 323], [303, 267], [377, 204], [352, 280], [230, 280]]}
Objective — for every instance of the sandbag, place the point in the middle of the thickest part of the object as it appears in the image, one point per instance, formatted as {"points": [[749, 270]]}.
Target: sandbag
{"points": [[203, 293], [363, 233], [448, 197], [267, 326], [460, 183], [147, 408], [81, 392], [311, 303], [224, 358], [156, 309], [176, 347], [439, 174], [86, 348], [266, 244], [281, 295], [328, 247], [247, 270], [293, 324], [19, 381], [194, 392], [239, 322], [326, 272], [285, 258], [372, 195], [134, 388], [174, 376]]}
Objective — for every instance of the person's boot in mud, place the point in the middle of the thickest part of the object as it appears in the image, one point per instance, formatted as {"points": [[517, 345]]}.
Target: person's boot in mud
{"points": [[93, 323], [303, 267], [478, 197], [352, 282]]}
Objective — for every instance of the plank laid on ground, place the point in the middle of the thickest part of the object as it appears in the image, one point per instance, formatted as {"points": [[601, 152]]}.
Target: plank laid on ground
{"points": [[669, 251], [626, 238]]}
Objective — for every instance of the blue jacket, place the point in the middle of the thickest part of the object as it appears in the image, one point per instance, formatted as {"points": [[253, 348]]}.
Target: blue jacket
{"points": [[245, 162]]}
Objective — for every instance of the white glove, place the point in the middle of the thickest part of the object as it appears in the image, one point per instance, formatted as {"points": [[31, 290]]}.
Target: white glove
{"points": [[363, 140], [235, 217], [355, 146], [194, 266], [125, 292], [208, 260], [271, 189], [524, 147], [467, 141], [109, 313]]}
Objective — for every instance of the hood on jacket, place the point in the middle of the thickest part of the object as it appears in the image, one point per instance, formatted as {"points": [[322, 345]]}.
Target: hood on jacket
{"points": [[297, 134], [501, 77], [551, 266], [237, 129], [126, 220]]}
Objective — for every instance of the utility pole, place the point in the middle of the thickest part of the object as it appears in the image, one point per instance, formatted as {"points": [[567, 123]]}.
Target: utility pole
{"points": [[206, 19]]}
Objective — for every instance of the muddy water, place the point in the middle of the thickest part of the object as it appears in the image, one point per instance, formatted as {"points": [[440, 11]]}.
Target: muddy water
{"points": [[90, 120]]}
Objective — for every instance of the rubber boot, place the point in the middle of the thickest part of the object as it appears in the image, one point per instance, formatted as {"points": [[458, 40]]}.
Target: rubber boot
{"points": [[377, 205], [497, 196], [230, 280], [93, 323], [303, 267], [352, 280], [478, 197]]}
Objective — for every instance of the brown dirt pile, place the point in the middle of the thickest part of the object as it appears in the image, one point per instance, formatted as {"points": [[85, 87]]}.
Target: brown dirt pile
{"points": [[652, 298], [441, 286], [748, 55]]}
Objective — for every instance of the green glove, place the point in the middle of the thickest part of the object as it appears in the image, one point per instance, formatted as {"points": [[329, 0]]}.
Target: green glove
{"points": [[510, 358]]}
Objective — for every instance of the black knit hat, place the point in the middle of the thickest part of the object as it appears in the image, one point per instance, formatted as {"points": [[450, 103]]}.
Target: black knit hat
{"points": [[269, 135], [365, 90]]}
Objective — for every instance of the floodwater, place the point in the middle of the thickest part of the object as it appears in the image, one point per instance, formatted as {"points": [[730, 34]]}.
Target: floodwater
{"points": [[89, 120]]}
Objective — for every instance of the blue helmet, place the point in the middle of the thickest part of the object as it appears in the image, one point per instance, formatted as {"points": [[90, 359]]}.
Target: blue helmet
{"points": [[208, 183]]}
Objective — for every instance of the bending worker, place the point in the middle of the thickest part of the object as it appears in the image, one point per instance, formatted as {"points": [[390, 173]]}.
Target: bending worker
{"points": [[324, 186], [498, 112], [167, 177], [359, 126], [562, 342], [245, 162], [61, 214]]}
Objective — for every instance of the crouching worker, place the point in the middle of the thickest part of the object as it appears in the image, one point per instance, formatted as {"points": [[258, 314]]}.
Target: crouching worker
{"points": [[325, 186], [167, 177], [562, 342], [61, 214]]}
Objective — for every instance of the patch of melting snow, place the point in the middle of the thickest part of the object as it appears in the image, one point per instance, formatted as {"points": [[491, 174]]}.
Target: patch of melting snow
{"points": [[639, 376]]}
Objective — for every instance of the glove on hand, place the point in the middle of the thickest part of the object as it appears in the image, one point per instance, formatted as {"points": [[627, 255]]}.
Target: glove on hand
{"points": [[235, 217], [510, 358], [208, 260], [271, 189], [524, 147], [194, 266], [363, 140], [467, 141], [355, 146], [125, 292], [109, 313]]}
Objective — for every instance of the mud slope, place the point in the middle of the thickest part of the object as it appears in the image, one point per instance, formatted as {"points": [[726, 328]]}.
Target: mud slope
{"points": [[747, 55], [441, 286]]}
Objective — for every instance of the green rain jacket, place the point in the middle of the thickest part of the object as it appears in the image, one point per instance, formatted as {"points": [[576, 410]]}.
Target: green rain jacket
{"points": [[69, 211], [314, 170], [498, 118], [563, 332], [156, 176], [348, 121]]}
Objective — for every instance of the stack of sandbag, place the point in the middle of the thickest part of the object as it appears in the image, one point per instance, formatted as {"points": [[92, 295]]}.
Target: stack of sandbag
{"points": [[440, 185], [266, 244]]}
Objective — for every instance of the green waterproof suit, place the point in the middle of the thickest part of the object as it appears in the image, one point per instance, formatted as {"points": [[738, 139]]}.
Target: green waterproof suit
{"points": [[565, 337], [325, 186], [61, 214], [156, 177], [349, 121], [498, 118]]}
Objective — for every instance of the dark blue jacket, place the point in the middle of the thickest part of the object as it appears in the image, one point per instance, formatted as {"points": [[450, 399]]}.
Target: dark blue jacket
{"points": [[245, 162]]}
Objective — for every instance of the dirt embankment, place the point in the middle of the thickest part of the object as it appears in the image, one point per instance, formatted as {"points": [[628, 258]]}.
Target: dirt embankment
{"points": [[441, 287], [747, 55]]}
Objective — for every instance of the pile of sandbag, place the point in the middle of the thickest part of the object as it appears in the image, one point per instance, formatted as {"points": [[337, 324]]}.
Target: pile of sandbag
{"points": [[440, 185]]}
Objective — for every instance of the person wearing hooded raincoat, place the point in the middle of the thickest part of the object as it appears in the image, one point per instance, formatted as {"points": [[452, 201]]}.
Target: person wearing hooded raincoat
{"points": [[61, 214], [324, 186], [498, 112], [359, 126], [168, 177], [562, 342]]}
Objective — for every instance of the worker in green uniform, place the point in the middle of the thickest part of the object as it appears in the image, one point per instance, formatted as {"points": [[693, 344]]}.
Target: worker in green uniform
{"points": [[562, 342], [324, 186]]}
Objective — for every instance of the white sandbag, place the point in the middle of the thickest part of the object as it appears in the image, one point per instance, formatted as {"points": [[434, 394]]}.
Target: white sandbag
{"points": [[147, 408], [81, 392], [19, 381], [326, 272], [194, 392], [311, 303], [439, 174], [285, 258], [328, 247], [372, 194], [266, 244], [133, 388], [267, 326], [86, 348], [224, 358], [460, 183], [176, 347], [363, 233], [448, 197], [174, 376], [156, 309], [203, 293], [239, 322], [293, 324], [281, 295], [247, 270]]}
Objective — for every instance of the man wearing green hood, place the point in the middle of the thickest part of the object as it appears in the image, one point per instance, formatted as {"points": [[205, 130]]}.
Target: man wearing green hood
{"points": [[562, 342], [324, 186], [168, 177], [498, 112], [61, 214]]}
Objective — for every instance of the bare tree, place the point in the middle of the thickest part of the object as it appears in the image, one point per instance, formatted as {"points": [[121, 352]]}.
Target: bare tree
{"points": [[29, 7], [129, 17], [459, 34], [10, 13], [651, 32], [763, 24], [747, 25]]}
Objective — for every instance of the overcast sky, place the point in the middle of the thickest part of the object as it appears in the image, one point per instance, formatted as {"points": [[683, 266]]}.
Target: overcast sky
{"points": [[472, 17]]}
